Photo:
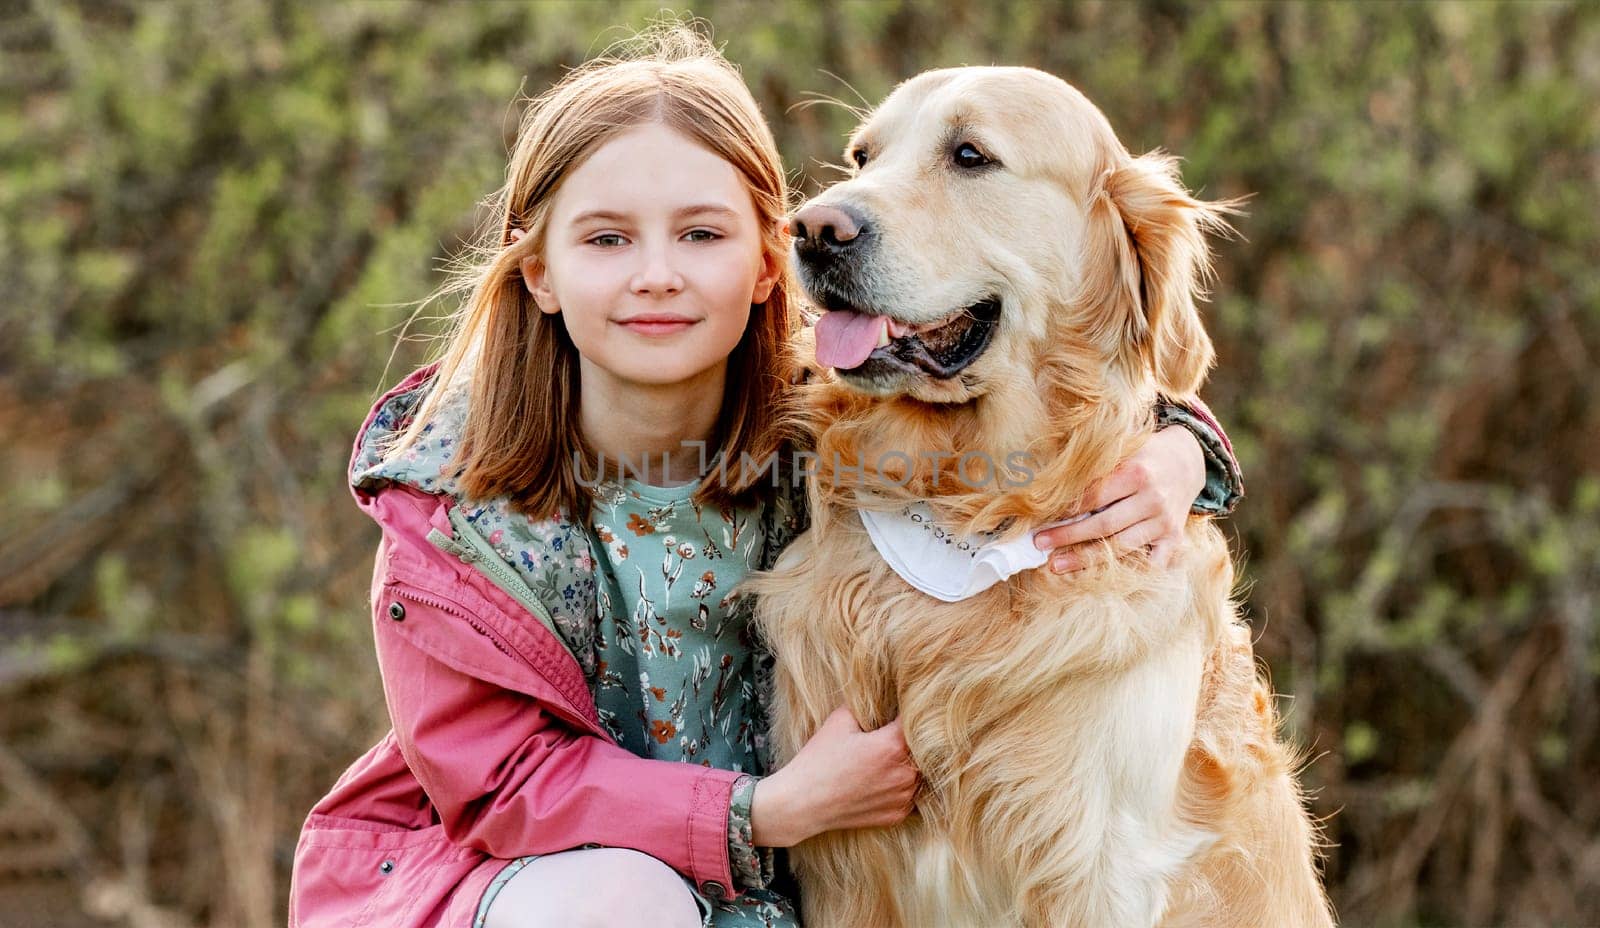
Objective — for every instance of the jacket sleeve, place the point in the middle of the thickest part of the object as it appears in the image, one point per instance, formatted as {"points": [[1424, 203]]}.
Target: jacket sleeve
{"points": [[510, 777], [1224, 478], [752, 866]]}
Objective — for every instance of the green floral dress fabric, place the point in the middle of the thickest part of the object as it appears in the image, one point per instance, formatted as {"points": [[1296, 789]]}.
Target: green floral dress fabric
{"points": [[676, 676], [673, 679]]}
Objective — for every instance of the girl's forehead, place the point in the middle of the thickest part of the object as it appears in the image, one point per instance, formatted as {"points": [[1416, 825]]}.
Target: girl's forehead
{"points": [[652, 168]]}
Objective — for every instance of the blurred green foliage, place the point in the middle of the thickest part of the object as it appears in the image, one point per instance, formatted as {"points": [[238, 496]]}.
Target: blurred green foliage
{"points": [[216, 218]]}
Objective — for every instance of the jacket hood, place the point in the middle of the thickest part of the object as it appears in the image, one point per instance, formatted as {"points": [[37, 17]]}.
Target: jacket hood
{"points": [[428, 464]]}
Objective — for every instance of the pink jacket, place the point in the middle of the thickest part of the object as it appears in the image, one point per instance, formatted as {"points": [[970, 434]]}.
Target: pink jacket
{"points": [[495, 752]]}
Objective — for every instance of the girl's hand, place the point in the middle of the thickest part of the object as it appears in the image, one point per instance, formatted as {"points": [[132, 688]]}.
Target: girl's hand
{"points": [[1144, 503], [842, 778]]}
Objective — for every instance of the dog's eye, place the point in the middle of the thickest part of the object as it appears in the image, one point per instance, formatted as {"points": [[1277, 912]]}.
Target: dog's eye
{"points": [[967, 155], [859, 156]]}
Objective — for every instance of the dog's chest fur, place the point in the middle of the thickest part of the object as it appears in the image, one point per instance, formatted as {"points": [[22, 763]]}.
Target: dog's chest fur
{"points": [[1049, 716]]}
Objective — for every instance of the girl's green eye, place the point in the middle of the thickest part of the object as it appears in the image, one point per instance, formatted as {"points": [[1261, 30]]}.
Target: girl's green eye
{"points": [[702, 235], [609, 240]]}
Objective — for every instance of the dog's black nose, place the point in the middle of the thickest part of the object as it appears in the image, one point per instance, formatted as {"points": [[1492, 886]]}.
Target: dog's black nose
{"points": [[821, 231]]}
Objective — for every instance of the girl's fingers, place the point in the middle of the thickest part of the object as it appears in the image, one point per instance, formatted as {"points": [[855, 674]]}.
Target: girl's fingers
{"points": [[1069, 561], [1129, 478], [839, 720], [1145, 533], [1132, 538], [1161, 551], [895, 744], [1115, 518]]}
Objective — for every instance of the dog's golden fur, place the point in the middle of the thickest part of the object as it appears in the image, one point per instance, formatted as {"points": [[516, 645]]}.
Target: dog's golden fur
{"points": [[1098, 748]]}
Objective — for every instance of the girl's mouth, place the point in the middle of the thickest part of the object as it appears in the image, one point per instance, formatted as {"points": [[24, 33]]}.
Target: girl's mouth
{"points": [[656, 325]]}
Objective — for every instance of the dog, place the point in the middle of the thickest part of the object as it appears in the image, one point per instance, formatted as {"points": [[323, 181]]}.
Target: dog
{"points": [[1010, 290]]}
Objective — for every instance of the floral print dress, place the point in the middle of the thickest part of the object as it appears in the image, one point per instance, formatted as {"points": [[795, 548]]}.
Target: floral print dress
{"points": [[677, 661], [673, 677]]}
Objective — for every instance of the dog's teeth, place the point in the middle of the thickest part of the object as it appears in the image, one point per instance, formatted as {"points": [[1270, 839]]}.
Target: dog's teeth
{"points": [[883, 334]]}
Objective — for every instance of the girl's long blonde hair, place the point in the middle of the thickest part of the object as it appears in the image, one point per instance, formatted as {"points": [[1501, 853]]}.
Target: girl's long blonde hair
{"points": [[521, 437]]}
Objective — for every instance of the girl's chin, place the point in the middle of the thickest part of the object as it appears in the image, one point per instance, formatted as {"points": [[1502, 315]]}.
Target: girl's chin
{"points": [[642, 370], [690, 359]]}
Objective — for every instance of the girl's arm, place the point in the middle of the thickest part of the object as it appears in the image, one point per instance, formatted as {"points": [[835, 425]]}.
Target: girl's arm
{"points": [[1146, 501], [843, 777], [509, 777]]}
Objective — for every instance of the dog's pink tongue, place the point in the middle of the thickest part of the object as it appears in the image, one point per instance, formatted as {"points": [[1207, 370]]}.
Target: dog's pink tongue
{"points": [[844, 338]]}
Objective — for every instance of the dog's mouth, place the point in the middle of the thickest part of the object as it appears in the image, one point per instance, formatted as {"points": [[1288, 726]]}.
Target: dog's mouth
{"points": [[862, 343]]}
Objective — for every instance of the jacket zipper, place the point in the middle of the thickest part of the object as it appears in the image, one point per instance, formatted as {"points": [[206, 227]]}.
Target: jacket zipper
{"points": [[442, 606], [469, 547], [407, 592]]}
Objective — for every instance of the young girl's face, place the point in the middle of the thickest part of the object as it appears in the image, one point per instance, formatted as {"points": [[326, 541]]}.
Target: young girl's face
{"points": [[653, 256]]}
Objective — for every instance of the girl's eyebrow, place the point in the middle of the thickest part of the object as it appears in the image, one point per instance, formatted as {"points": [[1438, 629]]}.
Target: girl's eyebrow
{"points": [[601, 215], [697, 209], [701, 209]]}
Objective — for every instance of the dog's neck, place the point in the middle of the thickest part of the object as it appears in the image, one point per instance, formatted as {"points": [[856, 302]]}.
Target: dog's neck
{"points": [[1025, 457]]}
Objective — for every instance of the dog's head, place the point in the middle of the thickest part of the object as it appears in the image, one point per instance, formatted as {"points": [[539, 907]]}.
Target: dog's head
{"points": [[995, 236]]}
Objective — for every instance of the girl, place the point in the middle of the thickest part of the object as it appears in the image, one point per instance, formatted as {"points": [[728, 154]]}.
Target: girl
{"points": [[579, 708]]}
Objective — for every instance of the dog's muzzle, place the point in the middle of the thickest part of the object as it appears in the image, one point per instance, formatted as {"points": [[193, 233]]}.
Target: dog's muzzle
{"points": [[835, 248]]}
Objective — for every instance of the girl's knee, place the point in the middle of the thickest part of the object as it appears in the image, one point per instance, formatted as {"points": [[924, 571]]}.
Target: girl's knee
{"points": [[600, 887]]}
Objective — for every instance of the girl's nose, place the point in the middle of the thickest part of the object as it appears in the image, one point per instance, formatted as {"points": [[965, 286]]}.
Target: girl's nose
{"points": [[657, 275]]}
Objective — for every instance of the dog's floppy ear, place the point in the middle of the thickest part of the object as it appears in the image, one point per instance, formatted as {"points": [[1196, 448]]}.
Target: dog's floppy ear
{"points": [[1147, 241]]}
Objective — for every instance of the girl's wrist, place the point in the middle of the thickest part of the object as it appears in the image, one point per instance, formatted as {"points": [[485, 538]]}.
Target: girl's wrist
{"points": [[773, 819]]}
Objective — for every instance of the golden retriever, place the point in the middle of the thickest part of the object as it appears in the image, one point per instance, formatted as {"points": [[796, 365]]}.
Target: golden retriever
{"points": [[1097, 748]]}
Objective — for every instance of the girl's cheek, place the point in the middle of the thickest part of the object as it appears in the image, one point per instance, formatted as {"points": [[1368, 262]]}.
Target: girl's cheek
{"points": [[738, 272]]}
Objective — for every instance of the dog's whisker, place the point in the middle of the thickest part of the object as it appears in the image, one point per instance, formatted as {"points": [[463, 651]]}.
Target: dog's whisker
{"points": [[812, 98], [860, 112]]}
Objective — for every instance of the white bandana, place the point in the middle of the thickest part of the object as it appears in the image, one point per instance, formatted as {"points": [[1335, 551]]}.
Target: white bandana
{"points": [[943, 564]]}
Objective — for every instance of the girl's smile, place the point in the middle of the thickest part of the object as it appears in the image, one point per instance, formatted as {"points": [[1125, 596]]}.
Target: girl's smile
{"points": [[657, 325]]}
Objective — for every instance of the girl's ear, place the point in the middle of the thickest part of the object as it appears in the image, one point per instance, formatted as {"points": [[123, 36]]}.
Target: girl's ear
{"points": [[535, 278], [771, 270]]}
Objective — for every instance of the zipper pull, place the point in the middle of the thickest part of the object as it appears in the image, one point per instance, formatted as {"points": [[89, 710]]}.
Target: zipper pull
{"points": [[452, 547]]}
